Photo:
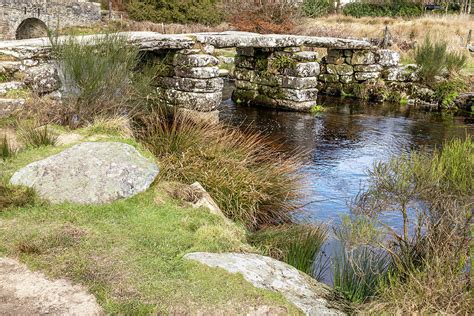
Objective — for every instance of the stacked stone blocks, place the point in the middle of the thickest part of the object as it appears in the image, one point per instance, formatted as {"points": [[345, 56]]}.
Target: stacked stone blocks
{"points": [[190, 79], [285, 78]]}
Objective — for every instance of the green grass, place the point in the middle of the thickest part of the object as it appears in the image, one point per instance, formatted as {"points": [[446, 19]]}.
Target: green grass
{"points": [[316, 109], [18, 94], [129, 254]]}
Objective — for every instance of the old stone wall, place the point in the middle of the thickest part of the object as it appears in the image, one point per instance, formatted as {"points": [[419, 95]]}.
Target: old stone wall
{"points": [[26, 18]]}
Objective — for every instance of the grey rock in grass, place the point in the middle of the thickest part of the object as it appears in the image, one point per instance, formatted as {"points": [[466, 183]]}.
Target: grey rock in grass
{"points": [[312, 297], [89, 173]]}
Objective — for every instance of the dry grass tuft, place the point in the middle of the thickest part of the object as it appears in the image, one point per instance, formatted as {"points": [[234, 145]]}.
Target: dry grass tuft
{"points": [[249, 177]]}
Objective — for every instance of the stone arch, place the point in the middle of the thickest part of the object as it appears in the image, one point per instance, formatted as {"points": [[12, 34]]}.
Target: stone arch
{"points": [[31, 28]]}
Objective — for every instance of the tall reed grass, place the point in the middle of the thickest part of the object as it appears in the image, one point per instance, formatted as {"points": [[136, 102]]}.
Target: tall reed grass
{"points": [[296, 244], [252, 180]]}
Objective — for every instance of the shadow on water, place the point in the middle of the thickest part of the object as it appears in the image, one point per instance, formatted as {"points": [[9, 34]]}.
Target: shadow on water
{"points": [[345, 141]]}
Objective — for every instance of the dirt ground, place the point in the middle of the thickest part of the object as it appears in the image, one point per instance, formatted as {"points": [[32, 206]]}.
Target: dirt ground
{"points": [[23, 292]]}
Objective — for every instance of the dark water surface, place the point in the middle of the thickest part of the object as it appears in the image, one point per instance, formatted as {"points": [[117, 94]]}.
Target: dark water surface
{"points": [[346, 140]]}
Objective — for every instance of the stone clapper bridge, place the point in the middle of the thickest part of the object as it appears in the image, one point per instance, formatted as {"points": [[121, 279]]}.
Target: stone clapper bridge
{"points": [[279, 71]]}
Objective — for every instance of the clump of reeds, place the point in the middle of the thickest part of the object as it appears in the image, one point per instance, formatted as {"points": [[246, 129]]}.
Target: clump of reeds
{"points": [[295, 244], [35, 136], [252, 180]]}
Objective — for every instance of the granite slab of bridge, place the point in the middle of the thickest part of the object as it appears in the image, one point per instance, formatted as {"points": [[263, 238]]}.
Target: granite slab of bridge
{"points": [[280, 71]]}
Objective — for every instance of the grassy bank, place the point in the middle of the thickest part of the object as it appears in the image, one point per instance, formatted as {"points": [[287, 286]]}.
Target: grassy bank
{"points": [[129, 253]]}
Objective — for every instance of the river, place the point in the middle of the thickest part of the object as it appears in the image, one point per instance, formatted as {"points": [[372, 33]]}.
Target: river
{"points": [[345, 141]]}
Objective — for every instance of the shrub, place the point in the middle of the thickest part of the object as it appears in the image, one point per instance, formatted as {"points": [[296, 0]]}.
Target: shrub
{"points": [[392, 8], [265, 17], [34, 136], [89, 71], [295, 244], [200, 11], [6, 150], [446, 92], [316, 8], [455, 62], [358, 272], [250, 178], [433, 59], [432, 191]]}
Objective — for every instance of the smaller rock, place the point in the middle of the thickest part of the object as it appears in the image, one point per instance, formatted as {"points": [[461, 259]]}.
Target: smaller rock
{"points": [[43, 79], [362, 57], [388, 58], [362, 76], [197, 72]]}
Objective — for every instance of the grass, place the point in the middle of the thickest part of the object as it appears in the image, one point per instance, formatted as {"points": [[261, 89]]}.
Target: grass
{"points": [[6, 150], [295, 244], [129, 254], [33, 136], [316, 109], [432, 191], [249, 177], [358, 273], [18, 94], [13, 196]]}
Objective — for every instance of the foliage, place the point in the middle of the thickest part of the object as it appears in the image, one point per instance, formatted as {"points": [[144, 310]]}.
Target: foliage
{"points": [[447, 91], [455, 62], [316, 8], [187, 11], [12, 196], [389, 8], [432, 192], [250, 178], [3, 77], [315, 109], [36, 136], [295, 244], [434, 58], [134, 247], [281, 62], [6, 150], [89, 71], [358, 230], [358, 272], [265, 17], [430, 58]]}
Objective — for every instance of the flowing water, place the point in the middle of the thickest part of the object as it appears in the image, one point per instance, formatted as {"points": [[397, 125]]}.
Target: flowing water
{"points": [[345, 141]]}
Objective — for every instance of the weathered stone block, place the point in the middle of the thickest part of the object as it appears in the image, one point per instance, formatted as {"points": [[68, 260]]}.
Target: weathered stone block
{"points": [[191, 84], [299, 82], [329, 78], [43, 78], [368, 68], [347, 53], [309, 69], [197, 72], [331, 69], [403, 73], [344, 69], [292, 49], [195, 60], [268, 79], [388, 58], [306, 56], [346, 79], [348, 60], [297, 95], [245, 74], [363, 57], [245, 85], [244, 96], [362, 76], [203, 102], [335, 60]]}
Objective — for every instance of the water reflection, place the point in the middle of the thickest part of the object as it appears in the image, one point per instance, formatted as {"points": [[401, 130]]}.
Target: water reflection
{"points": [[346, 140]]}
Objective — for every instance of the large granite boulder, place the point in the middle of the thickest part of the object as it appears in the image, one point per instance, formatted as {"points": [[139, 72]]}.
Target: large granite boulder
{"points": [[312, 297], [89, 173]]}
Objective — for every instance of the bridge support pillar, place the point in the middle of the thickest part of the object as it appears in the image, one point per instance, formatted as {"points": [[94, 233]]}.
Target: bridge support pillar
{"points": [[358, 72], [284, 78], [189, 79]]}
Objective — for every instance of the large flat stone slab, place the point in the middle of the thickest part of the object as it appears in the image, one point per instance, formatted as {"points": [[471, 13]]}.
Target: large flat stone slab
{"points": [[89, 173], [312, 297]]}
